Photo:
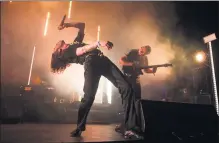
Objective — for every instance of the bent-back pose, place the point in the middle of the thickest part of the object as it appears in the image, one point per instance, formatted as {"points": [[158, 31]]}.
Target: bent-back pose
{"points": [[95, 66]]}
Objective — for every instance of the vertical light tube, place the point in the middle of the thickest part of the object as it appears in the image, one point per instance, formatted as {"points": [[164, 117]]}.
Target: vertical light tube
{"points": [[31, 66], [69, 9], [213, 77], [46, 24]]}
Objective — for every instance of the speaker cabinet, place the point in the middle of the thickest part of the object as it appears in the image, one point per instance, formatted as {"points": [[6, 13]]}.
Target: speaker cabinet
{"points": [[203, 99], [180, 121]]}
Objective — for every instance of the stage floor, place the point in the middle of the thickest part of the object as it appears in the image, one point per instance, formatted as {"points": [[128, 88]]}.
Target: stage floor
{"points": [[56, 133]]}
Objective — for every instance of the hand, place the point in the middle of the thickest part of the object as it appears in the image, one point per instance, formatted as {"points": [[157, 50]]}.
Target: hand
{"points": [[107, 44], [154, 70], [60, 27]]}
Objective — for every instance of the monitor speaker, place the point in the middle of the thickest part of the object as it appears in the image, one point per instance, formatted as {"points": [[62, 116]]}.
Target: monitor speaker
{"points": [[180, 121]]}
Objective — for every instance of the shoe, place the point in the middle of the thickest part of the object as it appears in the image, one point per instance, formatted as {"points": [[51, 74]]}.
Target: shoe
{"points": [[119, 129], [133, 135], [76, 133]]}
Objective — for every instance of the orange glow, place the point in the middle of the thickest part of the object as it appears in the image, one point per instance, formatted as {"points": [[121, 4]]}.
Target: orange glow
{"points": [[27, 88], [140, 29], [36, 80]]}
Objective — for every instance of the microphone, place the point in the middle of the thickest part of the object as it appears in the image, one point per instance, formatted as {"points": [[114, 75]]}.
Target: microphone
{"points": [[63, 20]]}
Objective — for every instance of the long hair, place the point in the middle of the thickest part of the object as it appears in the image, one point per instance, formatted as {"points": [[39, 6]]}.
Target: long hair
{"points": [[58, 63]]}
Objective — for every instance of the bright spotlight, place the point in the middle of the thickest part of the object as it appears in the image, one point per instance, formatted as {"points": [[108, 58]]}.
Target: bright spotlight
{"points": [[200, 57]]}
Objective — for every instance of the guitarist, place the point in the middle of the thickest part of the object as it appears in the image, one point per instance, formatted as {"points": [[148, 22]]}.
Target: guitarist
{"points": [[130, 62]]}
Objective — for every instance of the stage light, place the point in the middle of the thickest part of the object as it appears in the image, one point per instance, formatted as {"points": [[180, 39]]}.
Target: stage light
{"points": [[31, 66], [200, 57], [46, 24], [27, 88], [207, 40], [69, 9], [98, 33]]}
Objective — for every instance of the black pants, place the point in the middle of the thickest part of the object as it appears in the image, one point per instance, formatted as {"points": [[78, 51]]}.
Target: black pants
{"points": [[136, 86], [95, 67]]}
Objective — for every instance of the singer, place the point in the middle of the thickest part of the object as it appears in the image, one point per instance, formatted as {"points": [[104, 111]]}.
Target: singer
{"points": [[95, 66]]}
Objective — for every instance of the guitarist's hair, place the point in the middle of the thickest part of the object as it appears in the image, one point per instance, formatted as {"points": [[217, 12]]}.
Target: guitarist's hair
{"points": [[148, 49]]}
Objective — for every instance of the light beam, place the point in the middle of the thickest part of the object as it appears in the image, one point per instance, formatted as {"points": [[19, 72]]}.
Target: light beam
{"points": [[31, 66], [46, 24], [69, 9], [98, 33]]}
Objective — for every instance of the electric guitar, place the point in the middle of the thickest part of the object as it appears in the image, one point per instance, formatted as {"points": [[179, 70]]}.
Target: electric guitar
{"points": [[130, 70]]}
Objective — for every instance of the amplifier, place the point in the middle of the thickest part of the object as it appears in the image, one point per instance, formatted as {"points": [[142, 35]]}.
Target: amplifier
{"points": [[203, 99]]}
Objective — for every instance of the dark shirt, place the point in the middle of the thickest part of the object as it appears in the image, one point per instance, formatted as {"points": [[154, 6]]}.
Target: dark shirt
{"points": [[70, 53], [133, 56]]}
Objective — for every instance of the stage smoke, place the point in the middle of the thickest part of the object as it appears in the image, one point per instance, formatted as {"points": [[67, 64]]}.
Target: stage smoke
{"points": [[127, 24]]}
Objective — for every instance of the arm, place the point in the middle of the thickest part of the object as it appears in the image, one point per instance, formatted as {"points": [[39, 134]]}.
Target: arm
{"points": [[79, 25], [146, 64], [72, 51], [87, 48]]}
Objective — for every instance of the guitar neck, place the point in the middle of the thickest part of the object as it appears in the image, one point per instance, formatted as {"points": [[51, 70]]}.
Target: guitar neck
{"points": [[153, 66], [128, 69]]}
